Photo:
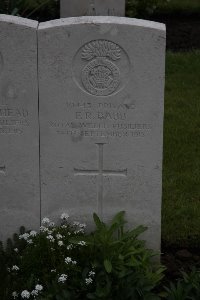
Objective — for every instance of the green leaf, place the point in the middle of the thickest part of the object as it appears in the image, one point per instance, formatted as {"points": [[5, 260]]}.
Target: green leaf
{"points": [[98, 222], [134, 233], [107, 265], [119, 218]]}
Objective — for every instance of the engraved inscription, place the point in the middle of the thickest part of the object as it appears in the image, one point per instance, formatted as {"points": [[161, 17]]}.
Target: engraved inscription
{"points": [[13, 120], [100, 172], [101, 120], [101, 67]]}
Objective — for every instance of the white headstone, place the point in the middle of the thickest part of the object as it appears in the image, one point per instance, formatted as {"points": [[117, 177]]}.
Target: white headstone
{"points": [[76, 8], [19, 132], [101, 117]]}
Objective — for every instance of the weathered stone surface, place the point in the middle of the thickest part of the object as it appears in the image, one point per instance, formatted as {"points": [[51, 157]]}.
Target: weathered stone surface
{"points": [[101, 116], [19, 132], [78, 8]]}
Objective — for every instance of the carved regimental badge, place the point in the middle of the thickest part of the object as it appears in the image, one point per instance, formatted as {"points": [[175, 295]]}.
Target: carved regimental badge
{"points": [[101, 76], [103, 66]]}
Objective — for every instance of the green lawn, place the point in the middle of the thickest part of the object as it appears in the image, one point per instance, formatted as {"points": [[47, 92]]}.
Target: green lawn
{"points": [[181, 176], [187, 6]]}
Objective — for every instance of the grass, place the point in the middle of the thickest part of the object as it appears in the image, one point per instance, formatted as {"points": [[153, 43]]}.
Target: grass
{"points": [[180, 6], [181, 176]]}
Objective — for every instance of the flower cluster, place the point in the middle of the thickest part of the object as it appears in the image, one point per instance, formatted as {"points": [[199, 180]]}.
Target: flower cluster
{"points": [[25, 294], [89, 280], [63, 264], [59, 241], [79, 227], [68, 260], [27, 237], [62, 278]]}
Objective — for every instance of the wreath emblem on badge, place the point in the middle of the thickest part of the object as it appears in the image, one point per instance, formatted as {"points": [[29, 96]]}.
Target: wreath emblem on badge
{"points": [[101, 75]]}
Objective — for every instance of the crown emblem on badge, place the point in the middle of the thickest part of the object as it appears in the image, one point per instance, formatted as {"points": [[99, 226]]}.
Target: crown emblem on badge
{"points": [[101, 77]]}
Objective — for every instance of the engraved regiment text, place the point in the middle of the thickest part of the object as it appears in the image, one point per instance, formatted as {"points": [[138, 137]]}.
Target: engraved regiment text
{"points": [[102, 119]]}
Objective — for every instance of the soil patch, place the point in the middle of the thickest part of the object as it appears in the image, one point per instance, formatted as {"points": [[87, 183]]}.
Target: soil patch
{"points": [[178, 260]]}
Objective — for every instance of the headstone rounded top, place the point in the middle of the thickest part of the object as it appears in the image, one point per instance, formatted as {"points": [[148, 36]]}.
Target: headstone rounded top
{"points": [[102, 20], [18, 21]]}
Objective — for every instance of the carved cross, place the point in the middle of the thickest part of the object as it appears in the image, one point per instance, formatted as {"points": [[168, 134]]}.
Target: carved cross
{"points": [[100, 172]]}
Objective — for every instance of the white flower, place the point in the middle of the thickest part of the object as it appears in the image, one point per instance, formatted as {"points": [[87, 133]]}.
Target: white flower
{"points": [[68, 260], [70, 247], [64, 226], [43, 229], [30, 241], [76, 223], [34, 293], [25, 294], [91, 274], [33, 233], [39, 287], [88, 280], [16, 268], [62, 278], [79, 231], [8, 269], [59, 236], [64, 216], [60, 243], [15, 295], [16, 250], [45, 221], [53, 270], [82, 243], [50, 238], [24, 236]]}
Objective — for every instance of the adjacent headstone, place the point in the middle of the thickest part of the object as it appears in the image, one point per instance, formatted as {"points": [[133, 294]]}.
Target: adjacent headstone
{"points": [[19, 132], [101, 115], [77, 8]]}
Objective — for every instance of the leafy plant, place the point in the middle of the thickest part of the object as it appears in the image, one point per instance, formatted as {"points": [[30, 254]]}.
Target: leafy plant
{"points": [[188, 287], [62, 262]]}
